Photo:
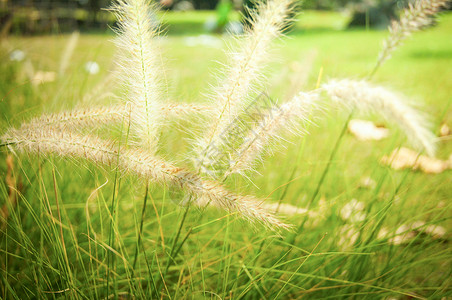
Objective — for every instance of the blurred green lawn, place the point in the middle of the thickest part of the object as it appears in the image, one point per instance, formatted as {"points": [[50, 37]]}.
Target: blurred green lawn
{"points": [[421, 69]]}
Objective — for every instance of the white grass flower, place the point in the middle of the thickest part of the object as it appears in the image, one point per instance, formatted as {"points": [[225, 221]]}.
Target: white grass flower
{"points": [[141, 71], [347, 237], [436, 231], [285, 208], [365, 130], [404, 158], [407, 232], [402, 235], [365, 97], [79, 118], [173, 110], [94, 117]]}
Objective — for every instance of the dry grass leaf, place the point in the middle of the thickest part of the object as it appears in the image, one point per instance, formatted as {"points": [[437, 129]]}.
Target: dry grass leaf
{"points": [[406, 232], [444, 130], [404, 158], [348, 235], [353, 211], [43, 77], [366, 130], [367, 183], [285, 208], [403, 235]]}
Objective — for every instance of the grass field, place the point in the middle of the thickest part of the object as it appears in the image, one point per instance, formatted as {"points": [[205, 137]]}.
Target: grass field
{"points": [[82, 231]]}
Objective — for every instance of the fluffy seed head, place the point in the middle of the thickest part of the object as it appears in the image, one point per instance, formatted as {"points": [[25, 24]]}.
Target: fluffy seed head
{"points": [[246, 64], [288, 117], [368, 98], [78, 119], [141, 163], [414, 18], [140, 66]]}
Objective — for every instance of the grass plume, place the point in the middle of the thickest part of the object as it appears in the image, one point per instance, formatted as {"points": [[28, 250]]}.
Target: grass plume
{"points": [[413, 18], [94, 117], [184, 110], [78, 118], [135, 245], [140, 162], [145, 108], [244, 71], [140, 67], [281, 120], [369, 98]]}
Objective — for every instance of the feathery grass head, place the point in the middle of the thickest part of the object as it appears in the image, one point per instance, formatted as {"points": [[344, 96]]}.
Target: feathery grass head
{"points": [[78, 119], [95, 117], [414, 18], [289, 117], [368, 98], [140, 66], [244, 72], [141, 163], [184, 110]]}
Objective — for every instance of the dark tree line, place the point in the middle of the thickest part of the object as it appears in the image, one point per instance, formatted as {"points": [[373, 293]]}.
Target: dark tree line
{"points": [[376, 13]]}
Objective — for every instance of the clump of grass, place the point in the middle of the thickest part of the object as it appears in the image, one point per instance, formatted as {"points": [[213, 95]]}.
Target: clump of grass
{"points": [[145, 111], [141, 260], [139, 70]]}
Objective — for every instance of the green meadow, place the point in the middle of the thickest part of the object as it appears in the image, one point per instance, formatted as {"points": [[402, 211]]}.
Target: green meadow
{"points": [[71, 229]]}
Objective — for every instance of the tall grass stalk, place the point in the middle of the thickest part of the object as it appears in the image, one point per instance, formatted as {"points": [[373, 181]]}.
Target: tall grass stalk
{"points": [[140, 231]]}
